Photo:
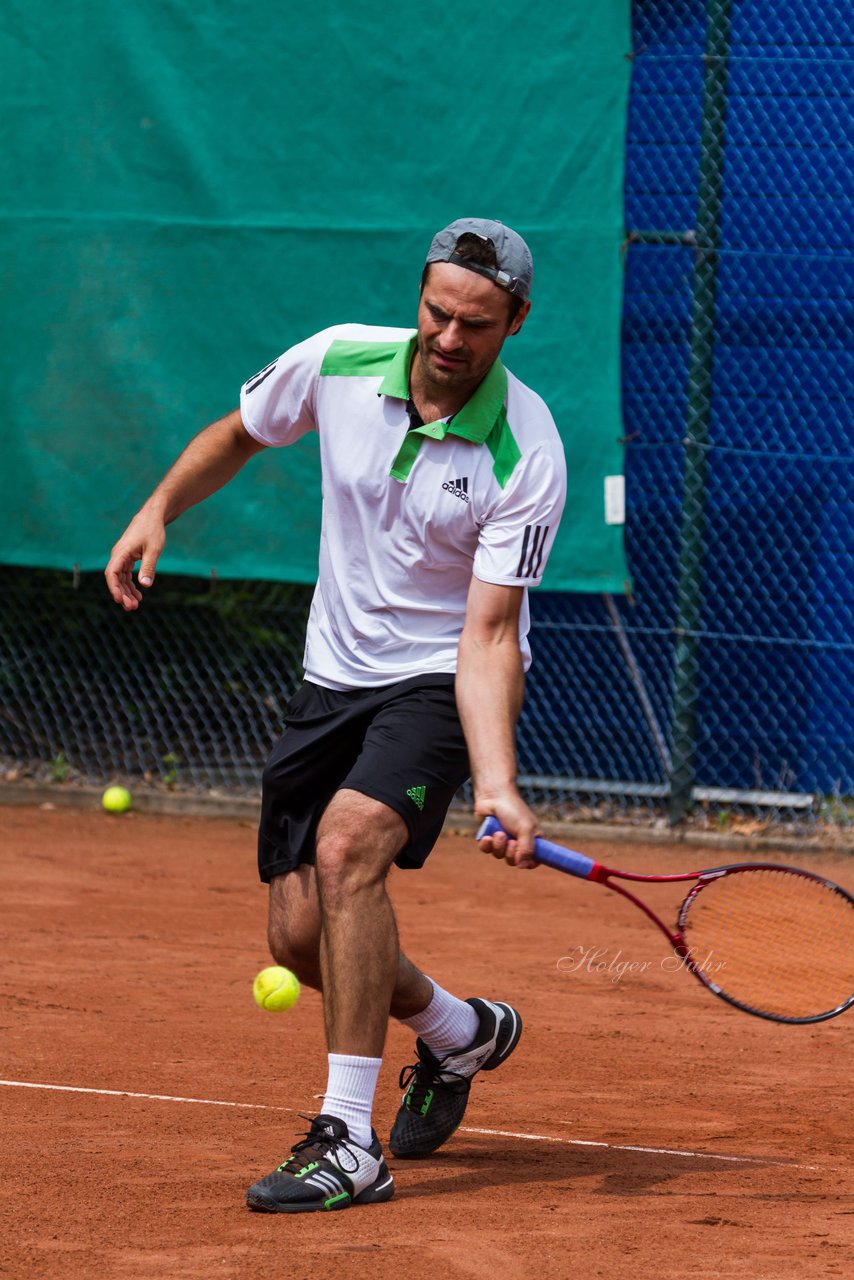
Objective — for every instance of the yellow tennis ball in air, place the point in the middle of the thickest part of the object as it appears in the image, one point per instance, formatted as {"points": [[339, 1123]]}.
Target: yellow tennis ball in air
{"points": [[276, 989], [116, 800]]}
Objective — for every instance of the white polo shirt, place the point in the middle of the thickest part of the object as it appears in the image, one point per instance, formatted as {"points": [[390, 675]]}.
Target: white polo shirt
{"points": [[408, 515]]}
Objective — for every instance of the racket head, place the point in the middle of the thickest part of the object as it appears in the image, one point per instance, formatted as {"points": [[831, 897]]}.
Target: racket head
{"points": [[771, 940]]}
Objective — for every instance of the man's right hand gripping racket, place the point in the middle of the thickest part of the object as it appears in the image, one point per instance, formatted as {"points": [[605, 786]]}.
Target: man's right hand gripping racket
{"points": [[774, 941]]}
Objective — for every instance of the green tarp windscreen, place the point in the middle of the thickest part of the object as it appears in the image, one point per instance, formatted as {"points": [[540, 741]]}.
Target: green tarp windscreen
{"points": [[188, 190]]}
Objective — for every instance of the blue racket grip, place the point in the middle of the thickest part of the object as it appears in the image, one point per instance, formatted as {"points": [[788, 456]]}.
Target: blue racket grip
{"points": [[552, 855]]}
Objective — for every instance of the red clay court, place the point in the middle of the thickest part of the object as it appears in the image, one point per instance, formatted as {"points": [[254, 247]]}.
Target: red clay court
{"points": [[642, 1128]]}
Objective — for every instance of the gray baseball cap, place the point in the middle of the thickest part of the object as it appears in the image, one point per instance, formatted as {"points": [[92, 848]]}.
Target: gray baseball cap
{"points": [[515, 269]]}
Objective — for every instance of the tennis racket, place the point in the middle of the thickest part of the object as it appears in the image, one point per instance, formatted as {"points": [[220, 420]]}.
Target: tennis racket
{"points": [[774, 941]]}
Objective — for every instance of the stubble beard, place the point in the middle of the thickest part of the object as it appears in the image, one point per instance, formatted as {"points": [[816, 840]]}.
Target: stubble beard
{"points": [[443, 378]]}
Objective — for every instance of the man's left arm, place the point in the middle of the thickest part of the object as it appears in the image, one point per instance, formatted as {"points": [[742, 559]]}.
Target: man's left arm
{"points": [[489, 687]]}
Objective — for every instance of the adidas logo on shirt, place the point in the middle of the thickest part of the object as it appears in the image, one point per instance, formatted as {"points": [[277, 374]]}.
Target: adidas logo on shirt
{"points": [[459, 487]]}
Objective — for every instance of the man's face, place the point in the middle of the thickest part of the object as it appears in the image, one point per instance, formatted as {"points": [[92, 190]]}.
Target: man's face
{"points": [[463, 319]]}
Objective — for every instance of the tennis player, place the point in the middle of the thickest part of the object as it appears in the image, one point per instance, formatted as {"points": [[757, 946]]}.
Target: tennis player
{"points": [[443, 484]]}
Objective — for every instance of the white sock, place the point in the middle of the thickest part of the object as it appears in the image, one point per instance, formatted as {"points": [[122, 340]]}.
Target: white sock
{"points": [[350, 1090], [447, 1024]]}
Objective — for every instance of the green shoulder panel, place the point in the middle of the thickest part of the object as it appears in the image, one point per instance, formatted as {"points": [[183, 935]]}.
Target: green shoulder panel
{"points": [[346, 359], [506, 453]]}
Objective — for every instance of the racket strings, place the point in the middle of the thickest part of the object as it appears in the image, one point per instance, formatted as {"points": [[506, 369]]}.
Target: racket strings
{"points": [[776, 942]]}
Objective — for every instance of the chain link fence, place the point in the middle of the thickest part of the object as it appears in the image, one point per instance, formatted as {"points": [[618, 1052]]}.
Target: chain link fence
{"points": [[737, 359], [719, 690], [189, 691]]}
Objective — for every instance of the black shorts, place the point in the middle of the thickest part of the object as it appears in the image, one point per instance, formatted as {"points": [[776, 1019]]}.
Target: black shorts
{"points": [[402, 745]]}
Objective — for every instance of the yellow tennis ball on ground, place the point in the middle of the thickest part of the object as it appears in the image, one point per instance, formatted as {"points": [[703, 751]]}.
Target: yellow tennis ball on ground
{"points": [[276, 989], [116, 800]]}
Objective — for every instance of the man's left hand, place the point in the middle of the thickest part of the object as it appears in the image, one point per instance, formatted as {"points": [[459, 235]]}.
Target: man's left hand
{"points": [[516, 817]]}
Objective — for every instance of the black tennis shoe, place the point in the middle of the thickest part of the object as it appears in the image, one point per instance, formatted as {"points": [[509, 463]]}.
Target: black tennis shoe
{"points": [[326, 1170], [437, 1091]]}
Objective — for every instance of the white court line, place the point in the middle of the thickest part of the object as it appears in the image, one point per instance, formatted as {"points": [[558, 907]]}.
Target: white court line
{"points": [[491, 1133], [153, 1097], [653, 1151]]}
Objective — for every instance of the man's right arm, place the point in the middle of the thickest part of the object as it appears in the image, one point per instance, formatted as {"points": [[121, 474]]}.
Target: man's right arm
{"points": [[209, 461]]}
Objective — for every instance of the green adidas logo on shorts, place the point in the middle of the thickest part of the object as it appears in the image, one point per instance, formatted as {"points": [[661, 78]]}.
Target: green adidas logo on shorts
{"points": [[417, 795]]}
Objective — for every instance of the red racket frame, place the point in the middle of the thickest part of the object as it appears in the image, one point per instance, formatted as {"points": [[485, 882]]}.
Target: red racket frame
{"points": [[561, 858]]}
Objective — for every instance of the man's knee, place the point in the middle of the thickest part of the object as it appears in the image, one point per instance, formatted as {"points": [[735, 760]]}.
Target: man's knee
{"points": [[300, 955], [357, 841], [344, 860], [349, 861], [304, 961], [293, 925]]}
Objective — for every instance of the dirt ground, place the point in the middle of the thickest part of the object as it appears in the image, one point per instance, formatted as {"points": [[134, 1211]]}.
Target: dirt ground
{"points": [[642, 1128]]}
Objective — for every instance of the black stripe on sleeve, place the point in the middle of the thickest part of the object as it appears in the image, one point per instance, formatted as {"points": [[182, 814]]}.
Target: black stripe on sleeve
{"points": [[535, 546], [256, 380], [535, 571], [533, 549], [525, 540]]}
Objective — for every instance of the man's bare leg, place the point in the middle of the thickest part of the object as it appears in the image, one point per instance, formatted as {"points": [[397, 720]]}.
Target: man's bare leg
{"points": [[294, 930], [357, 841]]}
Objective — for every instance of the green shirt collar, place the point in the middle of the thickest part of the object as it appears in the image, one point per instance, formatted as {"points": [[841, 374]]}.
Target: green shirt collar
{"points": [[396, 381], [478, 415]]}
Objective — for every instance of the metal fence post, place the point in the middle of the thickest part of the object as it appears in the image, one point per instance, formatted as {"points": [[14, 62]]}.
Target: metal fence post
{"points": [[689, 597]]}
